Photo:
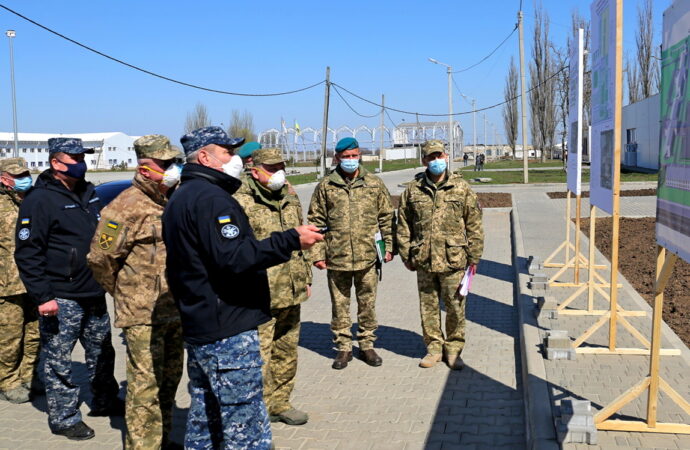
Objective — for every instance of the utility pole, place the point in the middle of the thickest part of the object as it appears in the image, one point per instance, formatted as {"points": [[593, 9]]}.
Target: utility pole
{"points": [[474, 128], [10, 35], [525, 172], [451, 134], [324, 130], [485, 143], [383, 111]]}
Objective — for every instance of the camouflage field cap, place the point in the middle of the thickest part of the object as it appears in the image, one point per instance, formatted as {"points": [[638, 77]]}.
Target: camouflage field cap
{"points": [[156, 146], [267, 156], [433, 146], [202, 137], [13, 166], [73, 146]]}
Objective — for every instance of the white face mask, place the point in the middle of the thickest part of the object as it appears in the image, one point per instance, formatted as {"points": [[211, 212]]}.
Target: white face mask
{"points": [[233, 167], [172, 176], [276, 181]]}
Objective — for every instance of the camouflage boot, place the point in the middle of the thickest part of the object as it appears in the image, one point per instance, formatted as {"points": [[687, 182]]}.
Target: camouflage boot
{"points": [[17, 395], [291, 417]]}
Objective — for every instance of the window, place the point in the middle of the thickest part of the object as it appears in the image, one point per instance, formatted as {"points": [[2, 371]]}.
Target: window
{"points": [[631, 135], [32, 150], [33, 163], [110, 161], [93, 162], [40, 164], [129, 161]]}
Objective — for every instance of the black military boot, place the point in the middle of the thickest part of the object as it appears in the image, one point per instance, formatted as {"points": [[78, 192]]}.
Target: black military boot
{"points": [[370, 357], [77, 432], [341, 359]]}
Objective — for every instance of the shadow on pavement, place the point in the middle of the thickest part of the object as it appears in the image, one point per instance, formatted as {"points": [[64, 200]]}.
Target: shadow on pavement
{"points": [[318, 338], [496, 270], [485, 311]]}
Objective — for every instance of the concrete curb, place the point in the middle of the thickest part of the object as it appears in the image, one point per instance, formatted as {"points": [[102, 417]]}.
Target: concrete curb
{"points": [[540, 430]]}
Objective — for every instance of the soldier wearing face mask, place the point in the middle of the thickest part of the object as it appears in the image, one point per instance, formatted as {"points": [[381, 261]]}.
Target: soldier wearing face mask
{"points": [[19, 338], [271, 207], [56, 222], [354, 205], [128, 259]]}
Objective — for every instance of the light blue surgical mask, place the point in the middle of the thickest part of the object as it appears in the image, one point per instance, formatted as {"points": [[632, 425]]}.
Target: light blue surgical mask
{"points": [[349, 165], [437, 166], [22, 184]]}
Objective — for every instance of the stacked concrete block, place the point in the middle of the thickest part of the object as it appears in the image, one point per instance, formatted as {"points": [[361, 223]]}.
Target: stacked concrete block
{"points": [[575, 422], [557, 345], [546, 308]]}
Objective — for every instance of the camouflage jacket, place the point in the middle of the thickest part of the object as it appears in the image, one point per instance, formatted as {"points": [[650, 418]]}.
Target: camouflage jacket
{"points": [[10, 283], [439, 227], [127, 256], [269, 212], [353, 212]]}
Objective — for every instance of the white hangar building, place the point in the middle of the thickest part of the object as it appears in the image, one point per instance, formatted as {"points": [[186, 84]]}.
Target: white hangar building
{"points": [[111, 148]]}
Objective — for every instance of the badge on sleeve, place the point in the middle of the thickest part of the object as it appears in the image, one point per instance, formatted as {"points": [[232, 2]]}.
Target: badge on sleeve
{"points": [[108, 234], [227, 229], [24, 232]]}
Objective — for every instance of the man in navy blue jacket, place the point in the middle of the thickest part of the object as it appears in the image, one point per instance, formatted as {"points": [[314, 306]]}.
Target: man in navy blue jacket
{"points": [[217, 273], [56, 221]]}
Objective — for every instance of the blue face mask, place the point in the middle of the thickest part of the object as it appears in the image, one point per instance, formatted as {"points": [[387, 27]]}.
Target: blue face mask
{"points": [[349, 165], [22, 184], [437, 166], [75, 170]]}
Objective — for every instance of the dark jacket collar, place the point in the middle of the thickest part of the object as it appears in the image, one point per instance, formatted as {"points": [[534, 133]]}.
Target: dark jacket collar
{"points": [[192, 171]]}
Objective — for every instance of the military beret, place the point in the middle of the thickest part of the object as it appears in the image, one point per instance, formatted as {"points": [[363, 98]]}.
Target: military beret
{"points": [[347, 143], [13, 166], [202, 137], [72, 146], [267, 156], [433, 146], [156, 146], [248, 149]]}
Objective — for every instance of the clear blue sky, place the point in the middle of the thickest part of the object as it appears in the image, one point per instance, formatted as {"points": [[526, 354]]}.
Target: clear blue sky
{"points": [[371, 47]]}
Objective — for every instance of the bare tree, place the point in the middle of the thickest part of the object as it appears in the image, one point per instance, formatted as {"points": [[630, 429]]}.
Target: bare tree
{"points": [[198, 118], [242, 125], [633, 79], [542, 93], [562, 82], [646, 64], [510, 109]]}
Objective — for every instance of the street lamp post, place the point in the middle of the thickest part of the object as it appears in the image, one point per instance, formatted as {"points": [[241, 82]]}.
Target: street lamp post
{"points": [[11, 34], [474, 125], [451, 149]]}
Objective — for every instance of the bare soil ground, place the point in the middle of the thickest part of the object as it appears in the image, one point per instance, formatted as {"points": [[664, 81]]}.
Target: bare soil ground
{"points": [[637, 256], [624, 193], [486, 200]]}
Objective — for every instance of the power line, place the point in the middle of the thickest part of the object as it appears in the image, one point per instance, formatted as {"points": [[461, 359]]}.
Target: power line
{"points": [[489, 55], [350, 106], [148, 72], [401, 111]]}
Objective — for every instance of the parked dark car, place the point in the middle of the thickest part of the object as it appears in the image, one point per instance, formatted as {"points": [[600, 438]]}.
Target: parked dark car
{"points": [[108, 191]]}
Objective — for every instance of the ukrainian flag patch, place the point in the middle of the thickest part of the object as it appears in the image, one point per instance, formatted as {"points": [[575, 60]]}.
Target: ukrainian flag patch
{"points": [[224, 219], [113, 225], [26, 221]]}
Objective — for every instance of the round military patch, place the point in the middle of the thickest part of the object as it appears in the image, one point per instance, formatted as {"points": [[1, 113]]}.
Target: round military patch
{"points": [[24, 234], [230, 231]]}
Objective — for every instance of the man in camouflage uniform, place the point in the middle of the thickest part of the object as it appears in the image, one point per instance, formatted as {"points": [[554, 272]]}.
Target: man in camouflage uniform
{"points": [[19, 338], [353, 205], [440, 235], [265, 198], [128, 259]]}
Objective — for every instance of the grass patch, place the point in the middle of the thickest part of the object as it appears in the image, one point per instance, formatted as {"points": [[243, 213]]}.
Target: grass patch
{"points": [[548, 176], [303, 178]]}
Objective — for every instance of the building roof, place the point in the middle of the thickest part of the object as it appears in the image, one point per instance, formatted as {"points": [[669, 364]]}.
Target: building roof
{"points": [[43, 137]]}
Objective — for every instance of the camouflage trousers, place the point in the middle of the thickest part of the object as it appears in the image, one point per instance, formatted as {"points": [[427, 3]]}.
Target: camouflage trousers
{"points": [[279, 341], [19, 341], [155, 355], [433, 288], [88, 322], [340, 285], [227, 410]]}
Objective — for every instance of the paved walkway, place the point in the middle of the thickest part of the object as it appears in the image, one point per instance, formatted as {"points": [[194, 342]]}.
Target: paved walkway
{"points": [[602, 378], [397, 405]]}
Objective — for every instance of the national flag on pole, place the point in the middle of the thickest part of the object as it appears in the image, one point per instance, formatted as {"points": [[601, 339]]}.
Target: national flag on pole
{"points": [[297, 129]]}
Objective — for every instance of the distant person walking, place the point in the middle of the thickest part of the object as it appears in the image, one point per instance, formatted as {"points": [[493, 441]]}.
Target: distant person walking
{"points": [[465, 158]]}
